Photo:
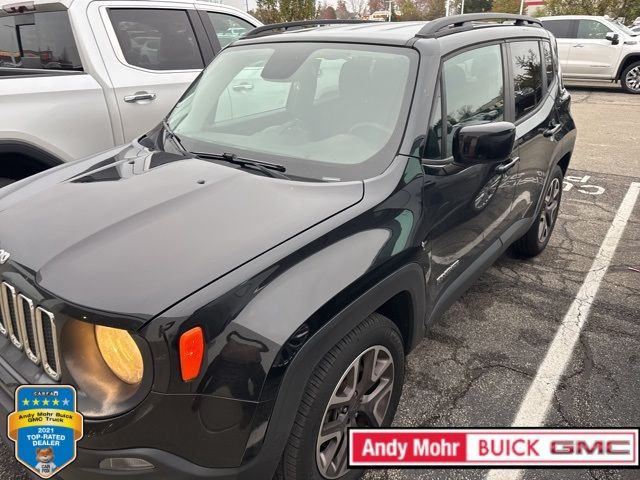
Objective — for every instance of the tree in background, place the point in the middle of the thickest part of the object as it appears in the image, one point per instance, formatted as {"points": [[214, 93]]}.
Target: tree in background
{"points": [[477, 6], [267, 11], [328, 13], [629, 9], [358, 7], [506, 6], [274, 11], [376, 5]]}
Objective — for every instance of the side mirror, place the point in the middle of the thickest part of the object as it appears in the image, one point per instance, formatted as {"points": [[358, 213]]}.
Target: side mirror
{"points": [[483, 143], [614, 38]]}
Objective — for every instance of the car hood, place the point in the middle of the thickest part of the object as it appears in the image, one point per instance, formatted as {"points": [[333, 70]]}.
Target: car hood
{"points": [[136, 232]]}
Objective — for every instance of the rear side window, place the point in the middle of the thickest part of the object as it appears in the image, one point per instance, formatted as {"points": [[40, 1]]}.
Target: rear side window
{"points": [[559, 28], [38, 40], [228, 28], [156, 39], [592, 29], [474, 90], [548, 62], [526, 65]]}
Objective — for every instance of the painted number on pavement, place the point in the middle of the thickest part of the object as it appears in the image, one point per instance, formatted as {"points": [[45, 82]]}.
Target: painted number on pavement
{"points": [[580, 184]]}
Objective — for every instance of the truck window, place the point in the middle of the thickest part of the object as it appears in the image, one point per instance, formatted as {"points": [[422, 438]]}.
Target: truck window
{"points": [[38, 40], [228, 28], [592, 29], [156, 39], [560, 28]]}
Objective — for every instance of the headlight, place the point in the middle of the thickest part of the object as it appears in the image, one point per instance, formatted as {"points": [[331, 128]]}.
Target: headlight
{"points": [[120, 353]]}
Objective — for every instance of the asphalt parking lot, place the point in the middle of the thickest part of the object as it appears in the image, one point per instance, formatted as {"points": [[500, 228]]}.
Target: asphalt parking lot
{"points": [[478, 361]]}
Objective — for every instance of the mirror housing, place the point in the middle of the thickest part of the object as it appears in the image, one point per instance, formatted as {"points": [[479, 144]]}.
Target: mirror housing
{"points": [[614, 38], [483, 143]]}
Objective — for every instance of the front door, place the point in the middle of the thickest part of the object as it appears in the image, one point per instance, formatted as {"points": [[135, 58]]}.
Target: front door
{"points": [[592, 55], [467, 209]]}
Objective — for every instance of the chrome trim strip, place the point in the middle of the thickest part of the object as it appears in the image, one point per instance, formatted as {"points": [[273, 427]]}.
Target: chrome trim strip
{"points": [[5, 316], [52, 370], [6, 291], [32, 351]]}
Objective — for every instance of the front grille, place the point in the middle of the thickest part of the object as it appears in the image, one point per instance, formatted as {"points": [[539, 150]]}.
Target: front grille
{"points": [[30, 328]]}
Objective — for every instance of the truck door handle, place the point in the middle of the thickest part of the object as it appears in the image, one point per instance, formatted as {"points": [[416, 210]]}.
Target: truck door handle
{"points": [[506, 166], [243, 86], [578, 46], [550, 132], [140, 96]]}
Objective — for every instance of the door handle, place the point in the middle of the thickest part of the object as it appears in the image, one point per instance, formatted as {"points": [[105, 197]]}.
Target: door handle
{"points": [[578, 46], [243, 86], [139, 96], [506, 166], [550, 132]]}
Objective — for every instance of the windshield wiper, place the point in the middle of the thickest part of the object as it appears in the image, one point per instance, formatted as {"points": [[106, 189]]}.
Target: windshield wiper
{"points": [[174, 138], [270, 169]]}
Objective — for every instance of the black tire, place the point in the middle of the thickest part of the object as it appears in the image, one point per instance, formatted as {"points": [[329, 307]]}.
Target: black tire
{"points": [[533, 242], [299, 460], [630, 78]]}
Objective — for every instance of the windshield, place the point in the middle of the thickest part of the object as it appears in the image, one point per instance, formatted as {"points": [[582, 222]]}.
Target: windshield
{"points": [[324, 111]]}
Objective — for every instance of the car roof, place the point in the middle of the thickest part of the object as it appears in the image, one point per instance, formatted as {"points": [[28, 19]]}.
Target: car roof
{"points": [[389, 33]]}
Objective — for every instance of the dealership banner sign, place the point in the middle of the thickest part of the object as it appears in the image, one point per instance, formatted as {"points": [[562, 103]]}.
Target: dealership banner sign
{"points": [[478, 448], [45, 427]]}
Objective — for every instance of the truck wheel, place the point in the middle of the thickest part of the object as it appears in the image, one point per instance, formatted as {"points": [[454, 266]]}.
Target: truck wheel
{"points": [[537, 237], [357, 384], [630, 79]]}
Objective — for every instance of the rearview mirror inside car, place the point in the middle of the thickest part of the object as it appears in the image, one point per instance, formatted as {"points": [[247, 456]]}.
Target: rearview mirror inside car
{"points": [[614, 38], [484, 143]]}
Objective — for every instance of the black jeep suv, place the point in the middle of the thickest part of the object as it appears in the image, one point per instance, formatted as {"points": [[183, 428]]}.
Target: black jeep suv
{"points": [[231, 291]]}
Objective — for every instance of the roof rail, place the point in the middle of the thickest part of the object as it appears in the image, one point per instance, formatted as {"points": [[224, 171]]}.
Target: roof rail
{"points": [[274, 28], [460, 23]]}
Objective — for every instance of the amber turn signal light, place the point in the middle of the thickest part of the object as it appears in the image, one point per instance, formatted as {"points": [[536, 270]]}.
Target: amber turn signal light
{"points": [[191, 353]]}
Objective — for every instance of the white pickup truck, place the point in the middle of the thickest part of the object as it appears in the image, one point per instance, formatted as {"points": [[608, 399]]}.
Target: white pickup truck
{"points": [[81, 76]]}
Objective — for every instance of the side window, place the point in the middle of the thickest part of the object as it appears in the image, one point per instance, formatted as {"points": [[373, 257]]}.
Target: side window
{"points": [[559, 28], [527, 76], [548, 61], [228, 28], [249, 94], [592, 29], [474, 89], [38, 40], [156, 39]]}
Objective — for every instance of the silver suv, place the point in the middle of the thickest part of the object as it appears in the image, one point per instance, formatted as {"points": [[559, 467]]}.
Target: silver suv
{"points": [[597, 48]]}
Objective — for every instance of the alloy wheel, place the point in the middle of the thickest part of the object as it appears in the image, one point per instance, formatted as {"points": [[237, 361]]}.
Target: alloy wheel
{"points": [[549, 210], [632, 80], [361, 399]]}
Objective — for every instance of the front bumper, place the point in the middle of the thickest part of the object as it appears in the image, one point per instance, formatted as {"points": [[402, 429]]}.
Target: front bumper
{"points": [[142, 427]]}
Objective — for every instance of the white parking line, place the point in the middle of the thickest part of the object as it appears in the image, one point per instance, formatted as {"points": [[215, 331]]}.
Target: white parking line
{"points": [[535, 405]]}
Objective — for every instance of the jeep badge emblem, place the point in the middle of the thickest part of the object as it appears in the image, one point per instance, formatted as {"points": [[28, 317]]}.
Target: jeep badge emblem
{"points": [[4, 256]]}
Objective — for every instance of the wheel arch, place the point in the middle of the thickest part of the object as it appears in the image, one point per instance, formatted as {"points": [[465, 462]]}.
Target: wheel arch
{"points": [[399, 294], [19, 159], [626, 61]]}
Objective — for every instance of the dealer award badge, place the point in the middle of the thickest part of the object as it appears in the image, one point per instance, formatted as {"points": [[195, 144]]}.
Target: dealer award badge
{"points": [[45, 427]]}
